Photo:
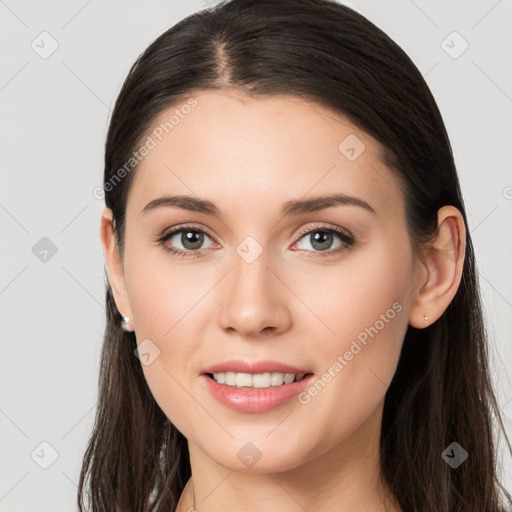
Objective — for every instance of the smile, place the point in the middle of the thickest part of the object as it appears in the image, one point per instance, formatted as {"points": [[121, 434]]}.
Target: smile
{"points": [[258, 380], [245, 396]]}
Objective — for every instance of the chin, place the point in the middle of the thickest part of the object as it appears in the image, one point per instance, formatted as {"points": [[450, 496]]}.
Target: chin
{"points": [[257, 458]]}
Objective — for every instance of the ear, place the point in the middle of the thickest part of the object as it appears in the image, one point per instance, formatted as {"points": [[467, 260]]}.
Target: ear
{"points": [[114, 263], [440, 269]]}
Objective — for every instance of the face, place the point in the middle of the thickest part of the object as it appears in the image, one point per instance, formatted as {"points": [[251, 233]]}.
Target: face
{"points": [[319, 290]]}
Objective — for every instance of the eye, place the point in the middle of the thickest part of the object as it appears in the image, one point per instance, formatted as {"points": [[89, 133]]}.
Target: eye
{"points": [[321, 238], [191, 238]]}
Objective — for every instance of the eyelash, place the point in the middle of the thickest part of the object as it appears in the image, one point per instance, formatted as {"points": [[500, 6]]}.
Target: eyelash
{"points": [[347, 240]]}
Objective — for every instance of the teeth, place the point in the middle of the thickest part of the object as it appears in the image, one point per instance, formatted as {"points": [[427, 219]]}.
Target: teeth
{"points": [[259, 380], [289, 378], [243, 379]]}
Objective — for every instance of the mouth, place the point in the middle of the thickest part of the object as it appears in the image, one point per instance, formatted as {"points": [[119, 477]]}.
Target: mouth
{"points": [[256, 380], [255, 392]]}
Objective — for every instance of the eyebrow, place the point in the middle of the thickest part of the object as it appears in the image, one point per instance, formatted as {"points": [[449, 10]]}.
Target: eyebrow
{"points": [[293, 207]]}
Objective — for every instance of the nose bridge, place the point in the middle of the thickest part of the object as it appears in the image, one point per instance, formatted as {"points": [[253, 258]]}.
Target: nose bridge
{"points": [[250, 274], [252, 300]]}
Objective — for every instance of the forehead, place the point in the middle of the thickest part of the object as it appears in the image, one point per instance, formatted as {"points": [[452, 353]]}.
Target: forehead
{"points": [[257, 151]]}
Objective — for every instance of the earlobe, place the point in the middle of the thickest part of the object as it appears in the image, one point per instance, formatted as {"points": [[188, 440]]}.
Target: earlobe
{"points": [[113, 262], [441, 267]]}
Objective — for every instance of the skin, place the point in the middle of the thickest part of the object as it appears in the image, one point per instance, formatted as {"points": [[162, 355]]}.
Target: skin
{"points": [[249, 156]]}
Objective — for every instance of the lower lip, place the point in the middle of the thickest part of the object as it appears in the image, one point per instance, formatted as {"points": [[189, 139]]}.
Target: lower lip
{"points": [[255, 399]]}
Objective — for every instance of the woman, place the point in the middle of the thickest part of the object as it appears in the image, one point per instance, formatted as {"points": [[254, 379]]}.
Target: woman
{"points": [[293, 317]]}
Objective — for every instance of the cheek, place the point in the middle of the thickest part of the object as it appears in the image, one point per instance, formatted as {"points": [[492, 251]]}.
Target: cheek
{"points": [[165, 300], [365, 307], [161, 293], [369, 288], [361, 311]]}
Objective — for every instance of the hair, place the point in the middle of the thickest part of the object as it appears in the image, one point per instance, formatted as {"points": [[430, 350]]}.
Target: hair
{"points": [[323, 52]]}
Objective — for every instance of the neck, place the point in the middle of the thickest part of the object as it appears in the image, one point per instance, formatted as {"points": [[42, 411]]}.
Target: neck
{"points": [[344, 478]]}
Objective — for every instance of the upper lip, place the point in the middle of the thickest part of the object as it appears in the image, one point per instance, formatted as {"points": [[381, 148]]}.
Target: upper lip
{"points": [[239, 366]]}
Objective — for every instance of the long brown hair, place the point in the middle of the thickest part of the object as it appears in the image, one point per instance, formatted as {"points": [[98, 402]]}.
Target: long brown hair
{"points": [[324, 52]]}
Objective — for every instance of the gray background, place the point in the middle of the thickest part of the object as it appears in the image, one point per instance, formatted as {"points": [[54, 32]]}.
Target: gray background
{"points": [[54, 114]]}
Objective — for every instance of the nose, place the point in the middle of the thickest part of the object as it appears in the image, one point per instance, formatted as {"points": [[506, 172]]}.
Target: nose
{"points": [[254, 298]]}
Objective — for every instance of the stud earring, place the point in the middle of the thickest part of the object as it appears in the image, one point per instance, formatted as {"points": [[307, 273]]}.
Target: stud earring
{"points": [[426, 319], [124, 323]]}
